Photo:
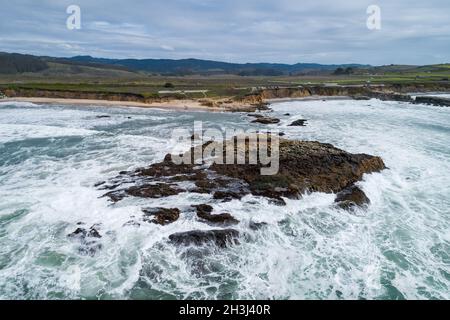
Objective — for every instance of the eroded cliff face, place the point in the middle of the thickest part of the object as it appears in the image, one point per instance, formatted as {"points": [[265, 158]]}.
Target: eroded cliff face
{"points": [[385, 92], [62, 94], [250, 102]]}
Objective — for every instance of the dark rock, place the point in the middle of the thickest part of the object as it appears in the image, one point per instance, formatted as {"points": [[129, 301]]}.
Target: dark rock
{"points": [[203, 209], [435, 101], [255, 115], [98, 184], [227, 195], [298, 123], [103, 117], [131, 223], [287, 114], [352, 197], [83, 233], [159, 190], [304, 166], [220, 238], [360, 97], [390, 96], [93, 233], [256, 225], [282, 134], [161, 216], [88, 239], [266, 120], [204, 212]]}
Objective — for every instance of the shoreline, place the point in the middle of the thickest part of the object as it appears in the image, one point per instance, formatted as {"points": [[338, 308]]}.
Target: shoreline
{"points": [[309, 98], [173, 105]]}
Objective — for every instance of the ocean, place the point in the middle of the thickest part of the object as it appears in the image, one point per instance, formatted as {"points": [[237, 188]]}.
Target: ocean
{"points": [[51, 158]]}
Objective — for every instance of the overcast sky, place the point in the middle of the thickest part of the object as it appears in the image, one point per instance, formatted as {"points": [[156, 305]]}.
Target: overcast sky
{"points": [[286, 31]]}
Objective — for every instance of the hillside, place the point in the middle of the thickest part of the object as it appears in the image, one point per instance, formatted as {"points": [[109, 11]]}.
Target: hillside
{"points": [[196, 66], [11, 63]]}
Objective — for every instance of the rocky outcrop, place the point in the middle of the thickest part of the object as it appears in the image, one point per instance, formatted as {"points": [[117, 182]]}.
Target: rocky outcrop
{"points": [[298, 123], [204, 212], [266, 120], [352, 197], [161, 216], [221, 238], [87, 239], [304, 166], [434, 101], [390, 96]]}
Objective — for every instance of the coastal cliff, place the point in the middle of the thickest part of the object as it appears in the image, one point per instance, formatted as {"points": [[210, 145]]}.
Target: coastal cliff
{"points": [[245, 103]]}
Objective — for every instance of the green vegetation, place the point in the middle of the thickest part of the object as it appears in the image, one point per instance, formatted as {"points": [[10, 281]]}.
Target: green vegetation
{"points": [[18, 63], [32, 73]]}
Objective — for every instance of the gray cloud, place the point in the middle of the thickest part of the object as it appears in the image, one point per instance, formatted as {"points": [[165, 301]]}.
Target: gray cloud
{"points": [[413, 32]]}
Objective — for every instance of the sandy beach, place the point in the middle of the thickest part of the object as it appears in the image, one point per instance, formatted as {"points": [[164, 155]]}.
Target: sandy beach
{"points": [[176, 105], [179, 105]]}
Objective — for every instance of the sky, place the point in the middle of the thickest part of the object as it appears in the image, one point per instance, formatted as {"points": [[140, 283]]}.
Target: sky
{"points": [[281, 31]]}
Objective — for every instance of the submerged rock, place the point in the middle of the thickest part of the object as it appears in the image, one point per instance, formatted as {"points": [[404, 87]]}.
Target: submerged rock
{"points": [[298, 123], [88, 239], [161, 216], [266, 120], [352, 197], [435, 101], [255, 115], [221, 238], [227, 196], [83, 233], [360, 97], [256, 225]]}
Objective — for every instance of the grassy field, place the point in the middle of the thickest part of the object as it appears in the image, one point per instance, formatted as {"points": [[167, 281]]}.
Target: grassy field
{"points": [[116, 81]]}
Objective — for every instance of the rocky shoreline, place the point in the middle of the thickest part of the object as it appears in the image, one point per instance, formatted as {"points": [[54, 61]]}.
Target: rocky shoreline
{"points": [[250, 102]]}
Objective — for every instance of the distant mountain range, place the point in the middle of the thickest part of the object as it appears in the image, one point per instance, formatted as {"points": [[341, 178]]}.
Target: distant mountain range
{"points": [[196, 66], [13, 63]]}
